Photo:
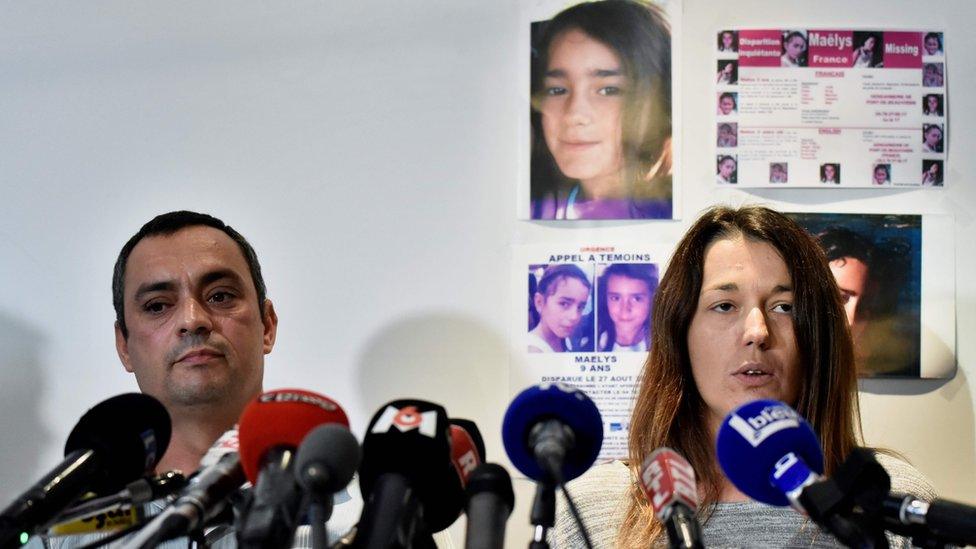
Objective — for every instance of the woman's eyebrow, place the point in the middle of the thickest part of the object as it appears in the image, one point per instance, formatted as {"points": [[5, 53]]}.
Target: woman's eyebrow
{"points": [[600, 73]]}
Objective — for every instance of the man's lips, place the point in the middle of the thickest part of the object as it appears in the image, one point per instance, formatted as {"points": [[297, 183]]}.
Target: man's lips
{"points": [[199, 356]]}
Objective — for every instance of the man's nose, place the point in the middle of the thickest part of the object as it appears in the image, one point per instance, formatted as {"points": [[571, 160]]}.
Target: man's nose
{"points": [[194, 317]]}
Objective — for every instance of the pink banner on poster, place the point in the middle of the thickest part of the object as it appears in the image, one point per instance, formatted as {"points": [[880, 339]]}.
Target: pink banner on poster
{"points": [[902, 50], [760, 48], [830, 48]]}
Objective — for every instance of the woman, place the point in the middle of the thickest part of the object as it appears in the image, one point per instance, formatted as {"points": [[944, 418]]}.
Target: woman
{"points": [[728, 41], [747, 309], [932, 139], [932, 174], [933, 44], [601, 114], [560, 299], [625, 292], [794, 50], [932, 75], [726, 170], [727, 135]]}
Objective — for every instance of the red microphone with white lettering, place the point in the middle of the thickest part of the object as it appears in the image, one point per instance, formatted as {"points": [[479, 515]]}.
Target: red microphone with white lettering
{"points": [[668, 482]]}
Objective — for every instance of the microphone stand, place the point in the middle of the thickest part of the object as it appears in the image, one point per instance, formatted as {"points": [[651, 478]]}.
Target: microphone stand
{"points": [[543, 515]]}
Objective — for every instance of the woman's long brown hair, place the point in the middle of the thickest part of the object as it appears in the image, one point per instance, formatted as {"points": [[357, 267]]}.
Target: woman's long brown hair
{"points": [[669, 410]]}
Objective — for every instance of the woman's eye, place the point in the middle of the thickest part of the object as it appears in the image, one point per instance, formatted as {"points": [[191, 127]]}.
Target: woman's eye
{"points": [[784, 308], [723, 307], [609, 90], [555, 90]]}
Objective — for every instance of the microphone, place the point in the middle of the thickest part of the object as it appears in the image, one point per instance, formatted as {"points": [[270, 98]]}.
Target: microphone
{"points": [[668, 481], [324, 464], [271, 429], [115, 442], [552, 432], [490, 501], [405, 474], [472, 429], [203, 499], [769, 452], [466, 452], [948, 521]]}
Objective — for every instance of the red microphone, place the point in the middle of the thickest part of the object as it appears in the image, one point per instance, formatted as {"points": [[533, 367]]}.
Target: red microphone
{"points": [[668, 481], [464, 453], [271, 429]]}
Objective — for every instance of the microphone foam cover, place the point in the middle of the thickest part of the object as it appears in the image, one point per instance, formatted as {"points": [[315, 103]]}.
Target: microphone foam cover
{"points": [[491, 477], [410, 438], [332, 447], [129, 433], [754, 437], [282, 418], [563, 403], [472, 429]]}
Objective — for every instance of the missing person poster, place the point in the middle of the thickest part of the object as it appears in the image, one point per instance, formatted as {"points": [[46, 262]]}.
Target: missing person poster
{"points": [[598, 117], [895, 277], [831, 108], [583, 317]]}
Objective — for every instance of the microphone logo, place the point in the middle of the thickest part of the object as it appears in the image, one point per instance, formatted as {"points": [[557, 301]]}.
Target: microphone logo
{"points": [[769, 421], [304, 398], [407, 419]]}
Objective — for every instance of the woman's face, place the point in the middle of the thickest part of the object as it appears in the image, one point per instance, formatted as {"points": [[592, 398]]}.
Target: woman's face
{"points": [[869, 44], [725, 168], [727, 40], [829, 172], [851, 275], [740, 341], [795, 47], [880, 175], [582, 107], [726, 104], [932, 45], [561, 311], [628, 302], [933, 103], [934, 170], [932, 137]]}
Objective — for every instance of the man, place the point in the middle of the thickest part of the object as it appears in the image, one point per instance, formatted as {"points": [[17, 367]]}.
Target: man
{"points": [[193, 324]]}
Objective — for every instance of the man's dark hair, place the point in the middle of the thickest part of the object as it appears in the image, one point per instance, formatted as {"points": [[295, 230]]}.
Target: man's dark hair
{"points": [[165, 225]]}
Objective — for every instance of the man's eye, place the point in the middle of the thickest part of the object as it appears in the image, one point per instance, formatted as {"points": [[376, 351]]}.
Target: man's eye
{"points": [[154, 307], [221, 297]]}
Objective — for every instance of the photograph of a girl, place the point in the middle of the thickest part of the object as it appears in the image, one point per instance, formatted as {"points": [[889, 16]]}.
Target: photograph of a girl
{"points": [[625, 292], [601, 113], [563, 315]]}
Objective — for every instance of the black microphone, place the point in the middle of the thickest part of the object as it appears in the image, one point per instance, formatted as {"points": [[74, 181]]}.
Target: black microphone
{"points": [[324, 464], [116, 511], [117, 441], [407, 477], [203, 499], [947, 521], [490, 501]]}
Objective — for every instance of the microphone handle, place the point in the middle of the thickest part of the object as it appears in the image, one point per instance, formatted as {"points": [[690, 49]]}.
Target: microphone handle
{"points": [[389, 516], [272, 517], [952, 521], [683, 529], [45, 499], [487, 515]]}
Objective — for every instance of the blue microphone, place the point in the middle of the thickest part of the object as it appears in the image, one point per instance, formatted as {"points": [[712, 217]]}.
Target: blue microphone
{"points": [[769, 452], [552, 432]]}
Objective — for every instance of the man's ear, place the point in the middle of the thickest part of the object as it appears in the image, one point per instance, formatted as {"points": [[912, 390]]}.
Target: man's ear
{"points": [[122, 347], [270, 320]]}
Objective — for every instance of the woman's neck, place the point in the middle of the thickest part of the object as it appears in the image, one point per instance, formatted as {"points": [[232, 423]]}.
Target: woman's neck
{"points": [[629, 336]]}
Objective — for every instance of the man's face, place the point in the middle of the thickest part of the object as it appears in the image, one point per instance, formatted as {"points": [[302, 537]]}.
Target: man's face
{"points": [[196, 333]]}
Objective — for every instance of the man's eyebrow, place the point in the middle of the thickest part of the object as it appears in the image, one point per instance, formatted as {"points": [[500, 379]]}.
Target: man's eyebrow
{"points": [[169, 285]]}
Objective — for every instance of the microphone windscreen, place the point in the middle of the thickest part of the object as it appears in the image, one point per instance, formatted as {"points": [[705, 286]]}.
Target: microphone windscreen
{"points": [[472, 429], [667, 478], [561, 402], [282, 418], [464, 453], [754, 437], [329, 448], [129, 434], [491, 477], [411, 438]]}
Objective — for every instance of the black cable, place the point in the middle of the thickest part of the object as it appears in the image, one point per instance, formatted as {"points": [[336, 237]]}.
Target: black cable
{"points": [[576, 516]]}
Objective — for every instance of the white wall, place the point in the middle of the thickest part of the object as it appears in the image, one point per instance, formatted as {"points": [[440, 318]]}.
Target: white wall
{"points": [[369, 152]]}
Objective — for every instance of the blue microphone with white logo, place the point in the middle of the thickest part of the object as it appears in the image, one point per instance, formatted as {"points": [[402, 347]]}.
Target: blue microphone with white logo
{"points": [[552, 433], [769, 452]]}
